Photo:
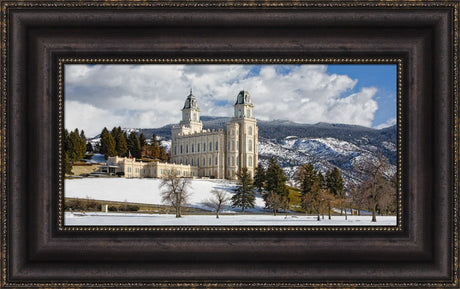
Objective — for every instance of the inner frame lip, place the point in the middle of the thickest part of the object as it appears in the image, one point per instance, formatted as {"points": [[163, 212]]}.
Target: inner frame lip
{"points": [[398, 61]]}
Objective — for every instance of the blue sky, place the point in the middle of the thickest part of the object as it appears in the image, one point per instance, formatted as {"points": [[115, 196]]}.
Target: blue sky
{"points": [[146, 96], [382, 76]]}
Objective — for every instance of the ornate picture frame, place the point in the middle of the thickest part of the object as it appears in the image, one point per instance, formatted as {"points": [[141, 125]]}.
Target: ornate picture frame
{"points": [[38, 251]]}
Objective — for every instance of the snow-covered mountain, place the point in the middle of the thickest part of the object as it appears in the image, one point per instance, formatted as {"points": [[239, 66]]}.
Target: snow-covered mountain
{"points": [[323, 144]]}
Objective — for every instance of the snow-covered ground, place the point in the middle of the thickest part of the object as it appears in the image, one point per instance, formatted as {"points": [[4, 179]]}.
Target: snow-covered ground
{"points": [[136, 219], [148, 191]]}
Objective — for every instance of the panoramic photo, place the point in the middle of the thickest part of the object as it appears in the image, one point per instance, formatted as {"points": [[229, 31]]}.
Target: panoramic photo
{"points": [[230, 145]]}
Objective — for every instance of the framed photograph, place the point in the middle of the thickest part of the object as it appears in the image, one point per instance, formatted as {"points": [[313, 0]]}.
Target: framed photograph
{"points": [[229, 144], [231, 161]]}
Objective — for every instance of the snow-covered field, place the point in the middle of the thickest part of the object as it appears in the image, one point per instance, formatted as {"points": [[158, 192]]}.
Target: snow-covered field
{"points": [[148, 191], [136, 219]]}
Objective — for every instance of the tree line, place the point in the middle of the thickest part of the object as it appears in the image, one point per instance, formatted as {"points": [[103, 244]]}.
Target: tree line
{"points": [[119, 143], [319, 193], [74, 148]]}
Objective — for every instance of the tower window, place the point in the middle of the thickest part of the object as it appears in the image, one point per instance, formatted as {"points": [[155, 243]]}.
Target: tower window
{"points": [[250, 130], [233, 161], [250, 145], [250, 161]]}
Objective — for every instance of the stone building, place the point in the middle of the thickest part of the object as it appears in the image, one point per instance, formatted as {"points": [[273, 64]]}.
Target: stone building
{"points": [[196, 152], [217, 153], [138, 169]]}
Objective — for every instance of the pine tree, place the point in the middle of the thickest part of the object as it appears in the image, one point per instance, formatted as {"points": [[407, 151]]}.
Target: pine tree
{"points": [[76, 146], [309, 181], [259, 178], [275, 183], [121, 146], [334, 183], [275, 179], [82, 136], [244, 194], [89, 147], [108, 144], [134, 145], [142, 140]]}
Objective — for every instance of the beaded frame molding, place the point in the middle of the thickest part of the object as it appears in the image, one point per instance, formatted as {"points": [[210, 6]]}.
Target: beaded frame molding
{"points": [[40, 37]]}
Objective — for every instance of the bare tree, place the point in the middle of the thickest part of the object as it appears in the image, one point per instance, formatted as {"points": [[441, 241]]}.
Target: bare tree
{"points": [[276, 202], [374, 187], [219, 200], [357, 198], [175, 193]]}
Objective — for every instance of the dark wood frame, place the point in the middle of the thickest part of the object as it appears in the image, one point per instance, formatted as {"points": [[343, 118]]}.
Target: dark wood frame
{"points": [[36, 253]]}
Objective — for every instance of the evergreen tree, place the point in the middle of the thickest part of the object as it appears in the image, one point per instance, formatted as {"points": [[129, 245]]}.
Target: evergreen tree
{"points": [[244, 194], [76, 146], [259, 178], [67, 164], [82, 136], [121, 146], [66, 146], [334, 183], [89, 147], [309, 182], [275, 179], [134, 145], [142, 140], [108, 144]]}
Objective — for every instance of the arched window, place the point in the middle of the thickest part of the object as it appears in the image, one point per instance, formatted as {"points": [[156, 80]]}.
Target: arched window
{"points": [[217, 162], [250, 145], [210, 161], [204, 146], [210, 146], [198, 148], [250, 130], [204, 162], [181, 149], [193, 148], [191, 161], [217, 145], [250, 161], [186, 148], [198, 162]]}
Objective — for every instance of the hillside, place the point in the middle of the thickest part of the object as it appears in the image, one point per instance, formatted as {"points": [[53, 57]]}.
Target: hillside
{"points": [[324, 144]]}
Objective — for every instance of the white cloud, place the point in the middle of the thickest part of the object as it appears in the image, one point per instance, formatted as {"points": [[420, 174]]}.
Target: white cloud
{"points": [[148, 96], [388, 123]]}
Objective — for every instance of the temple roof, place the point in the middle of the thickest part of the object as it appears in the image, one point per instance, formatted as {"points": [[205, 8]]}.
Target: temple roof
{"points": [[190, 102], [243, 98]]}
